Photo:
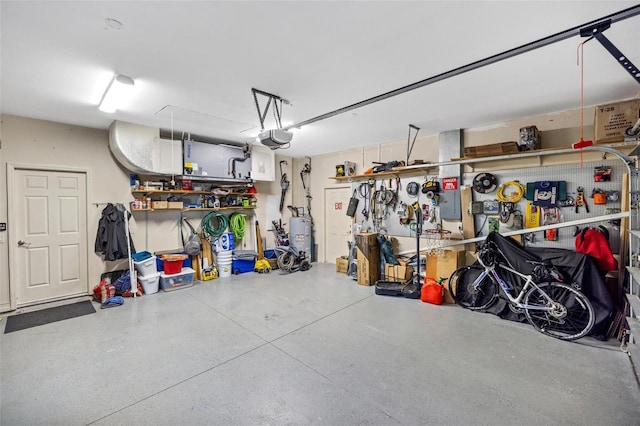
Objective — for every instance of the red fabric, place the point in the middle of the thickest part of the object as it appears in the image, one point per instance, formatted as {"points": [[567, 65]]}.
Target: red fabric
{"points": [[593, 242], [103, 291]]}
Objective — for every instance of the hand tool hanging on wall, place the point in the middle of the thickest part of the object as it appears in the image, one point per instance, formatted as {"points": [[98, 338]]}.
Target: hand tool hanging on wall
{"points": [[580, 200], [395, 193], [371, 183], [306, 171], [284, 184], [550, 216], [363, 191]]}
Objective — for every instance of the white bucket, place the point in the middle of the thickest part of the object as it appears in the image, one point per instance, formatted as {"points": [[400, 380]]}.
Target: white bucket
{"points": [[224, 260], [226, 242]]}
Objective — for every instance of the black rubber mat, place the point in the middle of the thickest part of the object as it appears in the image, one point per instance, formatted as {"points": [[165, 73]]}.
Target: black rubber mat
{"points": [[49, 315]]}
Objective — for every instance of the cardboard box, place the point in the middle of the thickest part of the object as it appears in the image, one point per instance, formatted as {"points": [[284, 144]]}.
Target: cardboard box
{"points": [[175, 205], [342, 265], [443, 266], [159, 205], [368, 255], [402, 272], [492, 149], [613, 119]]}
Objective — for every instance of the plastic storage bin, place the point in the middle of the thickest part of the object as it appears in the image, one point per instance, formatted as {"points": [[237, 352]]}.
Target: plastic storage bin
{"points": [[175, 281], [141, 255], [172, 263], [160, 264], [242, 266], [150, 283], [146, 267]]}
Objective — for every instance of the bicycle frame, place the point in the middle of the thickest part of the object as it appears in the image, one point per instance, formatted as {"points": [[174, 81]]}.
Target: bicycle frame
{"points": [[491, 271]]}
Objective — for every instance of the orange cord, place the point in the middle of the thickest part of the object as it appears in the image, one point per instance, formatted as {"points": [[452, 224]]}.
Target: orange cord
{"points": [[580, 59]]}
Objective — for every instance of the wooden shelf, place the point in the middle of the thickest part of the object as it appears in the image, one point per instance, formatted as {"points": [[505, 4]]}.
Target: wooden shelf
{"points": [[468, 161], [170, 191], [394, 172], [195, 209], [183, 192]]}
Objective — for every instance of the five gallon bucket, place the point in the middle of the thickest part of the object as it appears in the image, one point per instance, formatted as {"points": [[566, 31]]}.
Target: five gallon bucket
{"points": [[225, 260], [226, 242]]}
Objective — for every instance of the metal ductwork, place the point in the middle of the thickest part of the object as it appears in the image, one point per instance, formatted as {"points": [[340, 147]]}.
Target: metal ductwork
{"points": [[140, 149]]}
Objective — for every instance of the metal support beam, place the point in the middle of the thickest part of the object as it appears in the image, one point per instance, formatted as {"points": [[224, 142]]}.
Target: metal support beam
{"points": [[596, 31], [410, 147], [563, 35]]}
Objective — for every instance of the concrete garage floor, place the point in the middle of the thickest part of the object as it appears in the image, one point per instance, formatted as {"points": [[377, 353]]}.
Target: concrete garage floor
{"points": [[306, 348]]}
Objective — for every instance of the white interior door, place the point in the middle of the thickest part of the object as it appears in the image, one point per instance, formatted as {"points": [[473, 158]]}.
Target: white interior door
{"points": [[49, 238], [337, 226]]}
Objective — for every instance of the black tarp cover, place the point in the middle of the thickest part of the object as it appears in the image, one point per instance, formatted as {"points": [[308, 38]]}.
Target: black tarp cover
{"points": [[575, 267]]}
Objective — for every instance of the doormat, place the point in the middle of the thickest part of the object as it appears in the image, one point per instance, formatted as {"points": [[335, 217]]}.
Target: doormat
{"points": [[46, 316]]}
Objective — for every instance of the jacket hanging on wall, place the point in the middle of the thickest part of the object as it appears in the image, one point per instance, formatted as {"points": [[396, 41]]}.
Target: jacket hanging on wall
{"points": [[111, 238], [595, 243]]}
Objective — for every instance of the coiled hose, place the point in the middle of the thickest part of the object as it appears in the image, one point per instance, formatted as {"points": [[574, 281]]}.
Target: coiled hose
{"points": [[214, 224], [286, 261], [238, 225], [516, 194]]}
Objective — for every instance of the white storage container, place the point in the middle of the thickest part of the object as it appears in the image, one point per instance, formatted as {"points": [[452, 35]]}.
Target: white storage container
{"points": [[150, 283], [146, 267], [176, 281]]}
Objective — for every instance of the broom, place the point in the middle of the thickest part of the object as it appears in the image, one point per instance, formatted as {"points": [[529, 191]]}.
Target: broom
{"points": [[262, 265]]}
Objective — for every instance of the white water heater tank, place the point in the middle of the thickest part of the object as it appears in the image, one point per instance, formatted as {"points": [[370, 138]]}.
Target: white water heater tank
{"points": [[300, 234]]}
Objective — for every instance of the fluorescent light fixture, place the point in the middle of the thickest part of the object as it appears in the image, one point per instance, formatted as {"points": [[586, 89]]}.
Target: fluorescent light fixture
{"points": [[118, 91]]}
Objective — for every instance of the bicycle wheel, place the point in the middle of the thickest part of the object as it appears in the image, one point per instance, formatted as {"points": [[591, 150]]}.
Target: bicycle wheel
{"points": [[569, 317], [472, 289]]}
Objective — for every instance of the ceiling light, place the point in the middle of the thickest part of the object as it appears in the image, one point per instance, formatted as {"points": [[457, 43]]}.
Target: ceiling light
{"points": [[118, 91]]}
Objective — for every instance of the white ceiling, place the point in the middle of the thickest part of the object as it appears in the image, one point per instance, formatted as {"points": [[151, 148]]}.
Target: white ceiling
{"points": [[197, 61]]}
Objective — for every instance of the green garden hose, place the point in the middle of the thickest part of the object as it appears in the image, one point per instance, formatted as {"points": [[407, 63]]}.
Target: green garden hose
{"points": [[238, 225], [214, 224]]}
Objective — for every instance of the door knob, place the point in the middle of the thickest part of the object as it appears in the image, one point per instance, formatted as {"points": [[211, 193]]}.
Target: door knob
{"points": [[23, 243]]}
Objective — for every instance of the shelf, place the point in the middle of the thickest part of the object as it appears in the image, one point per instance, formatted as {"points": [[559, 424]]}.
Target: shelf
{"points": [[563, 151], [394, 172], [187, 209], [221, 180], [171, 191], [194, 209], [184, 192]]}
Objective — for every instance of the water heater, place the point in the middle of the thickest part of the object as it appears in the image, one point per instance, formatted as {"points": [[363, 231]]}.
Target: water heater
{"points": [[300, 234]]}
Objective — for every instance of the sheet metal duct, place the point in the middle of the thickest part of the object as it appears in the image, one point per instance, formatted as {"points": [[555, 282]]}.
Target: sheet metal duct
{"points": [[140, 149]]}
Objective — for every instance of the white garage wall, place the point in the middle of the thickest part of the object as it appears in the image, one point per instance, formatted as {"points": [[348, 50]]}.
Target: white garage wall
{"points": [[35, 142]]}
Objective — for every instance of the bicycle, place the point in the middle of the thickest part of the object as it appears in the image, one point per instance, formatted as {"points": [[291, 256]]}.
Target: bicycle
{"points": [[551, 307]]}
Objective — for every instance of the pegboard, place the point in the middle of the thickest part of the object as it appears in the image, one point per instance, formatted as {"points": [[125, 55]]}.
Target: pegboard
{"points": [[387, 218], [575, 175]]}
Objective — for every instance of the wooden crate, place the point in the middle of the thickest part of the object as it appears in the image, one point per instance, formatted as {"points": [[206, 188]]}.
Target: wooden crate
{"points": [[492, 149]]}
